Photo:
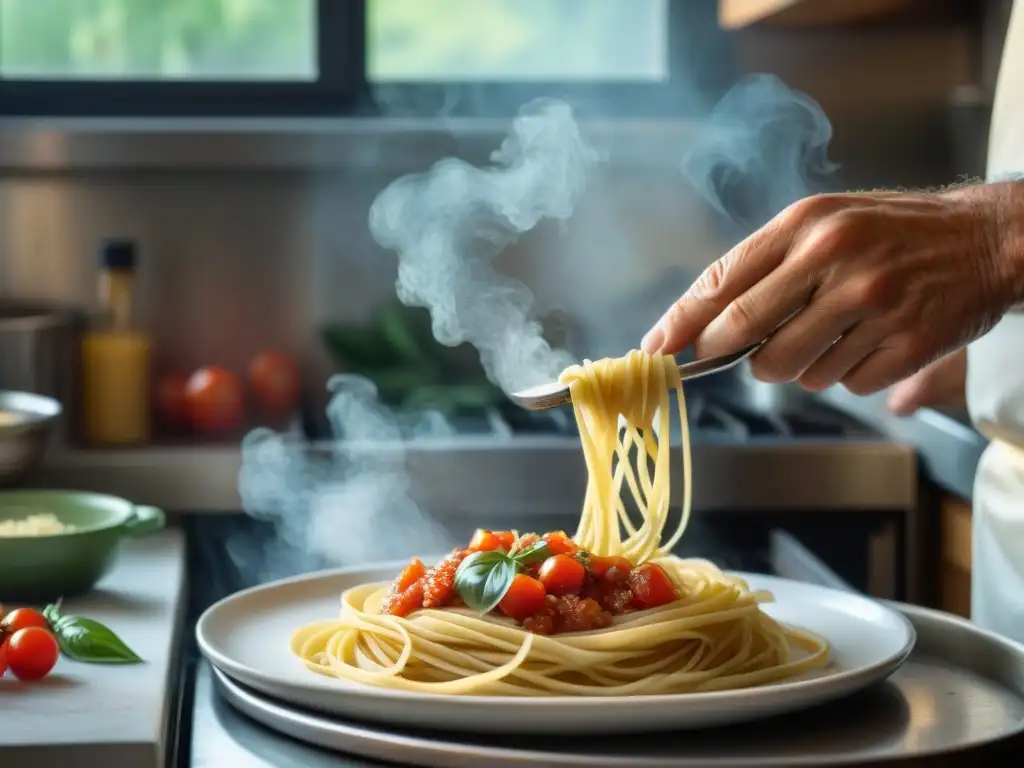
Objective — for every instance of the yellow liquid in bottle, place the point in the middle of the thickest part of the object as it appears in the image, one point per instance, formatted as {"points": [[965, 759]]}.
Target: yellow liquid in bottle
{"points": [[115, 371], [116, 387]]}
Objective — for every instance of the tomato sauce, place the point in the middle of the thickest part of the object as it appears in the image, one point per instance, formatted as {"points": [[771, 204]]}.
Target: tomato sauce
{"points": [[569, 590]]}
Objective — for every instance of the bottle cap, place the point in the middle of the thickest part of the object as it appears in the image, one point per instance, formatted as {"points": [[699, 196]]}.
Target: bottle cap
{"points": [[117, 254]]}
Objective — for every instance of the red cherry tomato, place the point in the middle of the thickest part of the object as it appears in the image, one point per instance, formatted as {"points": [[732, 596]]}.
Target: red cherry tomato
{"points": [[559, 543], [3, 657], [274, 381], [169, 401], [523, 599], [651, 586], [214, 400], [31, 653], [20, 618], [562, 575], [485, 541]]}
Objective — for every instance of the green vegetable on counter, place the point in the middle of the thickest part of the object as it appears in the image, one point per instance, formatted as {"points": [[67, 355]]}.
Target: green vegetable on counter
{"points": [[397, 351], [87, 640]]}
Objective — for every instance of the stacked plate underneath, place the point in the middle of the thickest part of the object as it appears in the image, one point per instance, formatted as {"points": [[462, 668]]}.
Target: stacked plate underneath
{"points": [[885, 698]]}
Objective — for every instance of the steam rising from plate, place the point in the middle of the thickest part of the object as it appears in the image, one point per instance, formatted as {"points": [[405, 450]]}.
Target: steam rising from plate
{"points": [[350, 500]]}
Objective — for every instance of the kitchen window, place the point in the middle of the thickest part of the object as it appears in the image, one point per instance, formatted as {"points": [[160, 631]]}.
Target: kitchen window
{"points": [[281, 58]]}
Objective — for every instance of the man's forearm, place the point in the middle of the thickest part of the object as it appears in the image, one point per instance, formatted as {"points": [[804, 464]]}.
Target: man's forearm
{"points": [[1010, 235], [1000, 207]]}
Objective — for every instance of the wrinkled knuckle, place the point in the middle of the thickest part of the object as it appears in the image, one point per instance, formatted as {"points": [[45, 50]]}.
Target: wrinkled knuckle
{"points": [[741, 316], [838, 232], [808, 209], [710, 283], [870, 292]]}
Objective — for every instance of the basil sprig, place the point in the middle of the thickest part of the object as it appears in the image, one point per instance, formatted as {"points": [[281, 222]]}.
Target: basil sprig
{"points": [[483, 578], [87, 640]]}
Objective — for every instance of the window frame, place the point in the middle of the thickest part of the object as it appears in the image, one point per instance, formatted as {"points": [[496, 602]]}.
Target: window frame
{"points": [[700, 70], [342, 90], [338, 89]]}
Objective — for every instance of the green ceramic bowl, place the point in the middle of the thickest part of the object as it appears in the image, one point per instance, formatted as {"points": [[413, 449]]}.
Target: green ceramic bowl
{"points": [[37, 569]]}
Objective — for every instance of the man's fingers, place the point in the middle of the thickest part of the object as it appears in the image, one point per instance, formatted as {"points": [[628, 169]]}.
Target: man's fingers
{"points": [[843, 357], [798, 344], [882, 368], [909, 395], [941, 383], [722, 282], [758, 312]]}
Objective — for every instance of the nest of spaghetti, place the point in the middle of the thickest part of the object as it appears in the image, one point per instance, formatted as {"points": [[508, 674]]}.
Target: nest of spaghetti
{"points": [[708, 633]]}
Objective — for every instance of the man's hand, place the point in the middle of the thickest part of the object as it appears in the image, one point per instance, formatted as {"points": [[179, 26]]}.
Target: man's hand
{"points": [[867, 288], [941, 384]]}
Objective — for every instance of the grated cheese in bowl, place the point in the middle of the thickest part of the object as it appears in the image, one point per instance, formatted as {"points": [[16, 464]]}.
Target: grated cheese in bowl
{"points": [[43, 524], [10, 418]]}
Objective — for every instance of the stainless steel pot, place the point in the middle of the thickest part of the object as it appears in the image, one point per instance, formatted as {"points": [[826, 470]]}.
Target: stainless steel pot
{"points": [[39, 353]]}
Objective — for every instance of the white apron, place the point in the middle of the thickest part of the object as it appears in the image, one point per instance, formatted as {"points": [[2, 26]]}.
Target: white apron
{"points": [[995, 394]]}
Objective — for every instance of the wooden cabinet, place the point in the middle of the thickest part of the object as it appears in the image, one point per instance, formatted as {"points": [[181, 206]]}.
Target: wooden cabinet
{"points": [[955, 556]]}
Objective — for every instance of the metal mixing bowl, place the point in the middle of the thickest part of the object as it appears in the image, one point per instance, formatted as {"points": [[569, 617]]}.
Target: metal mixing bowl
{"points": [[26, 422]]}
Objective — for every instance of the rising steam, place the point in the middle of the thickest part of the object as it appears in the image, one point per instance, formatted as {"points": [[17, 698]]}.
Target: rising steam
{"points": [[762, 147], [349, 501], [449, 223]]}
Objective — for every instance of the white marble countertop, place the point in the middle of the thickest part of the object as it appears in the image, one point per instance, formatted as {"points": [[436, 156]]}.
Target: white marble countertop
{"points": [[110, 716]]}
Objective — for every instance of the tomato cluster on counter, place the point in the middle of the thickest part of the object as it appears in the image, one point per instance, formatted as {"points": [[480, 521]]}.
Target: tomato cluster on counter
{"points": [[212, 399], [27, 646], [546, 583]]}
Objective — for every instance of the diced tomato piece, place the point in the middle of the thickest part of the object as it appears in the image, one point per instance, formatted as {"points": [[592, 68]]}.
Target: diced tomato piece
{"points": [[600, 567], [651, 586], [576, 615], [439, 584], [559, 543], [406, 602], [486, 541], [412, 573], [524, 597], [406, 593], [562, 575]]}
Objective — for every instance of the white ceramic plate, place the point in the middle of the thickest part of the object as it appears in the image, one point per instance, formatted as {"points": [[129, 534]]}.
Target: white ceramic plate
{"points": [[246, 636]]}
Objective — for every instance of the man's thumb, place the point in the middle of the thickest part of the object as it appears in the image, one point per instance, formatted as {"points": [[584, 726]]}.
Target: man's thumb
{"points": [[908, 395]]}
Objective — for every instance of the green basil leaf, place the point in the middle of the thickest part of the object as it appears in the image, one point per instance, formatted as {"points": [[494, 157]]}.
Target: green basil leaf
{"points": [[483, 578], [89, 641], [52, 612], [537, 552]]}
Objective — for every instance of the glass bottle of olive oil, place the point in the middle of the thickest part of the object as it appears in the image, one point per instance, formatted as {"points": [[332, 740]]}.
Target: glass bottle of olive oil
{"points": [[116, 357]]}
